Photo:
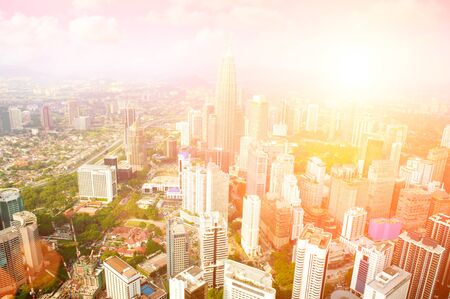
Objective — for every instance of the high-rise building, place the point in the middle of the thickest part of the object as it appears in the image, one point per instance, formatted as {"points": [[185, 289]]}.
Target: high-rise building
{"points": [[438, 229], [135, 151], [183, 128], [310, 256], [346, 193], [212, 131], [195, 124], [354, 223], [440, 203], [15, 118], [26, 223], [258, 118], [391, 283], [251, 215], [189, 284], [316, 168], [213, 241], [73, 111], [226, 105], [394, 156], [416, 171], [82, 123], [312, 118], [373, 150], [245, 142], [97, 182], [311, 191], [445, 141], [217, 190], [297, 222], [122, 280], [412, 208], [394, 133], [384, 229], [422, 257], [242, 281], [46, 120], [381, 177], [207, 110], [276, 222], [438, 156], [361, 127], [369, 261], [290, 191], [177, 240], [5, 122], [257, 171], [171, 148], [12, 271], [281, 167], [10, 203]]}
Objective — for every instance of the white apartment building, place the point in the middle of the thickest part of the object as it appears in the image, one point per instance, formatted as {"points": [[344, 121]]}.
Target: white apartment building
{"points": [[251, 215], [97, 182]]}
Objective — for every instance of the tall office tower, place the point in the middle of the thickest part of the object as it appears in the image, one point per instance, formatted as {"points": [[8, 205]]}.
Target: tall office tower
{"points": [[381, 187], [26, 223], [281, 167], [122, 280], [193, 188], [212, 131], [440, 203], [395, 133], [361, 127], [82, 123], [251, 215], [394, 156], [213, 241], [10, 203], [188, 284], [398, 186], [256, 171], [311, 191], [422, 257], [316, 168], [346, 193], [46, 120], [438, 156], [370, 260], [5, 122], [438, 229], [290, 191], [311, 256], [129, 116], [178, 245], [171, 148], [73, 110], [226, 105], [354, 223], [276, 222], [245, 142], [135, 152], [12, 271], [416, 171], [217, 190], [242, 281], [312, 118], [445, 141], [207, 110], [391, 283], [297, 222], [195, 124], [15, 118], [97, 182], [373, 150], [258, 118], [183, 128], [412, 208]]}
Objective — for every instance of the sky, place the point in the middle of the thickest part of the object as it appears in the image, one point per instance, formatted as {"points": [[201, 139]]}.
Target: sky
{"points": [[332, 48]]}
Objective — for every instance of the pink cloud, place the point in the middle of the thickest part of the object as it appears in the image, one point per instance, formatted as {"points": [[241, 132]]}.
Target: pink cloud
{"points": [[94, 29]]}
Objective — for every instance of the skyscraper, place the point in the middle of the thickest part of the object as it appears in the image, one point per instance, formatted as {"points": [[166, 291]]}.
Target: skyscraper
{"points": [[26, 223], [195, 124], [183, 128], [171, 148], [391, 283], [312, 118], [225, 107], [122, 280], [258, 118], [15, 118], [46, 121], [311, 256], [276, 222], [412, 208], [12, 271], [381, 177], [372, 150], [257, 171], [97, 182], [73, 111], [394, 156], [290, 191], [297, 222], [10, 203], [281, 167], [177, 247], [438, 229], [354, 223], [251, 215], [5, 122], [135, 151], [416, 171], [213, 241], [242, 281], [217, 190], [438, 156], [422, 257], [362, 126], [445, 141], [207, 110]]}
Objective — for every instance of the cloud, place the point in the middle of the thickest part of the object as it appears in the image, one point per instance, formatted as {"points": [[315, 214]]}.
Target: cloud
{"points": [[94, 29], [90, 5]]}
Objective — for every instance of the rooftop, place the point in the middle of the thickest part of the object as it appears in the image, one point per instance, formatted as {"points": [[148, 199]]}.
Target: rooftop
{"points": [[316, 236], [9, 194], [249, 275], [192, 277], [121, 267], [388, 281]]}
